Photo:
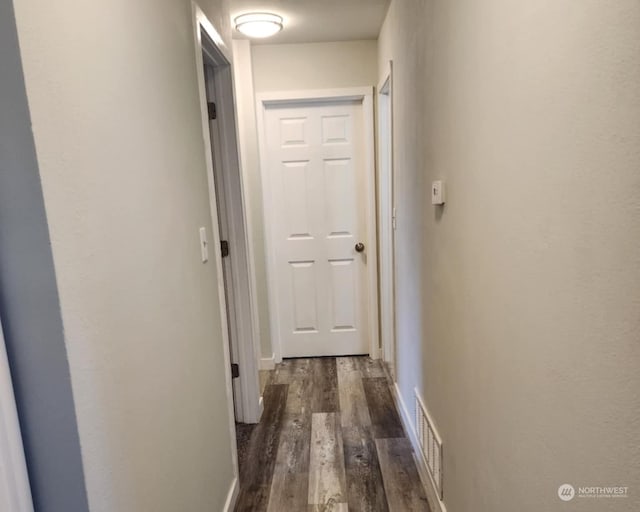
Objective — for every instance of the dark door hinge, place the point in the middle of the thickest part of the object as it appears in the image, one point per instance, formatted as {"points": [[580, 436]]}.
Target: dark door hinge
{"points": [[235, 371], [213, 113], [224, 248]]}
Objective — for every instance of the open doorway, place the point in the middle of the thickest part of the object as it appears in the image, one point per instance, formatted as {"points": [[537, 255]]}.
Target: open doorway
{"points": [[224, 222], [387, 216], [229, 248]]}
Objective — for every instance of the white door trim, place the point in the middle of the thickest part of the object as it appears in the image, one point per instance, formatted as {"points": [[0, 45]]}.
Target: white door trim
{"points": [[386, 214], [252, 405], [365, 95], [13, 468], [201, 23], [244, 282], [226, 212]]}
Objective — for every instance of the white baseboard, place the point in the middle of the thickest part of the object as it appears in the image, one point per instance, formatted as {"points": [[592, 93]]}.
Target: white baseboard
{"points": [[268, 363], [407, 421], [232, 497]]}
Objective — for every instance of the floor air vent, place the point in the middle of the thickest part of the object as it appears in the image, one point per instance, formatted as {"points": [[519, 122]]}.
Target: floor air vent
{"points": [[430, 445]]}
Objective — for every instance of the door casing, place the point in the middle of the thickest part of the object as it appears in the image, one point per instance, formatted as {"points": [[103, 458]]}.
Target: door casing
{"points": [[210, 46], [359, 94], [225, 212], [387, 218]]}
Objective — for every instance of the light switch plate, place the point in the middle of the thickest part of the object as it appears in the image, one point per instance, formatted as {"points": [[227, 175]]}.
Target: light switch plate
{"points": [[204, 246], [437, 192]]}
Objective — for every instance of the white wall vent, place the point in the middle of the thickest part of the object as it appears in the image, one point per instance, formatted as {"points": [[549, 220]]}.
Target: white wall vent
{"points": [[430, 444]]}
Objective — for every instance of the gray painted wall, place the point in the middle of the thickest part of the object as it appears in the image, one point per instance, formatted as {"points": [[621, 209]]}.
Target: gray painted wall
{"points": [[518, 302], [117, 123], [29, 304]]}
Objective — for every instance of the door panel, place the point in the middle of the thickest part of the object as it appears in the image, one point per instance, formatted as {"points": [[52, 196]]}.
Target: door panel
{"points": [[340, 208], [296, 178], [316, 166], [293, 131], [336, 129], [344, 297], [305, 308]]}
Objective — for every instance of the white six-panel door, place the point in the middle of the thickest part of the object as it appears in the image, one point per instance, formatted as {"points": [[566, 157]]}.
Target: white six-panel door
{"points": [[316, 165]]}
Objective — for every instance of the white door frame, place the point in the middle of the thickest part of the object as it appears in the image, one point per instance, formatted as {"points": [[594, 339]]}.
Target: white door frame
{"points": [[225, 211], [387, 217], [365, 95], [209, 43], [13, 468], [201, 24]]}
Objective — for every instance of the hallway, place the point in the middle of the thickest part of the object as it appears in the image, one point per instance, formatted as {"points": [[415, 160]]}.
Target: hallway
{"points": [[330, 439], [194, 191]]}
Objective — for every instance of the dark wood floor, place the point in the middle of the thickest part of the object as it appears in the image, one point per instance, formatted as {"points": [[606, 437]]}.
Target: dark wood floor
{"points": [[330, 440]]}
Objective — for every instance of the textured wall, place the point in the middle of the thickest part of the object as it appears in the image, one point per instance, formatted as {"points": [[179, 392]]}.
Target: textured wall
{"points": [[288, 67], [116, 120], [29, 305], [518, 303]]}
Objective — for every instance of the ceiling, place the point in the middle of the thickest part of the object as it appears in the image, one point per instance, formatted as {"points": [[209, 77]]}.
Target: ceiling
{"points": [[310, 21]]}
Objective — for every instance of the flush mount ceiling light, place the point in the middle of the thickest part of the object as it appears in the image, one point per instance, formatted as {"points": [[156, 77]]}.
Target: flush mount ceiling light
{"points": [[259, 24]]}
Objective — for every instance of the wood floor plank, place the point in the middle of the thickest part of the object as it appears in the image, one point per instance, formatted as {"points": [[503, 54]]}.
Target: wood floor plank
{"points": [[347, 364], [303, 457], [283, 373], [384, 416], [365, 489], [243, 440], [324, 377], [257, 475], [327, 479], [299, 397], [329, 507], [266, 377], [401, 480], [370, 368], [354, 410], [290, 485]]}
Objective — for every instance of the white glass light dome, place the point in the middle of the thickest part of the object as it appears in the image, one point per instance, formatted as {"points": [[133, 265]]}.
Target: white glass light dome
{"points": [[259, 24]]}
